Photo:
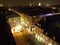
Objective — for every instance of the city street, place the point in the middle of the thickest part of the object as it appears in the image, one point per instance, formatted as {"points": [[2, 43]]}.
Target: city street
{"points": [[30, 22], [25, 38]]}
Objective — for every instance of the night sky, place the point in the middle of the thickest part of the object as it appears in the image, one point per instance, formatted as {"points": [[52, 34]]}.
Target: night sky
{"points": [[27, 2]]}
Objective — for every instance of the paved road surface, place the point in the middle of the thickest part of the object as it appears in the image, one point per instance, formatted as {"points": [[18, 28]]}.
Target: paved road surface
{"points": [[25, 38]]}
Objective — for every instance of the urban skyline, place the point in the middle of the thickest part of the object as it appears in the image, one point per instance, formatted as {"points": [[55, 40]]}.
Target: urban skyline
{"points": [[27, 2]]}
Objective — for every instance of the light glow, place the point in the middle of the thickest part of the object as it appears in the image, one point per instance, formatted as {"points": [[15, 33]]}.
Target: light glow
{"points": [[16, 29], [39, 4], [49, 44], [9, 9]]}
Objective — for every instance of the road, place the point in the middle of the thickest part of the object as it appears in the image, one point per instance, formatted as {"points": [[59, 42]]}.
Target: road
{"points": [[25, 38]]}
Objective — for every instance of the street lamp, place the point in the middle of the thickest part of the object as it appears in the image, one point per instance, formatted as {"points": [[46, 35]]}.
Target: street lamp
{"points": [[10, 9], [39, 4], [50, 44]]}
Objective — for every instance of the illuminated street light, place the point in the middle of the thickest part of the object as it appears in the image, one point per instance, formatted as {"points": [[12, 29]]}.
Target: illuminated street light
{"points": [[30, 4], [33, 29], [49, 44], [53, 7], [39, 4], [16, 29], [9, 9]]}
